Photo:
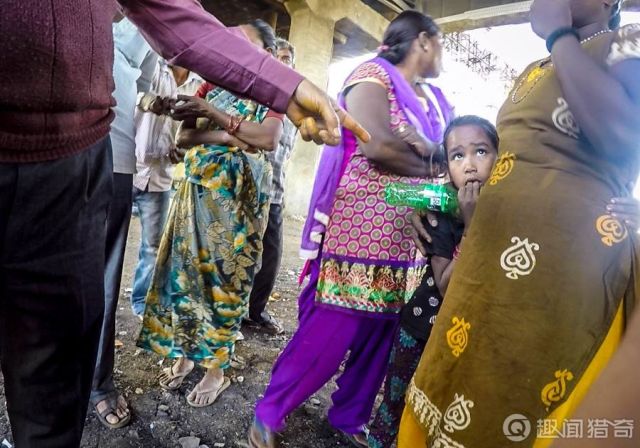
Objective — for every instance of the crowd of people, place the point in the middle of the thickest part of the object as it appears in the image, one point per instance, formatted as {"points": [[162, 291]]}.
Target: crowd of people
{"points": [[521, 302]]}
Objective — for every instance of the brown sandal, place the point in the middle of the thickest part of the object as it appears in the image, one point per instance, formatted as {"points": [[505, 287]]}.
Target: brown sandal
{"points": [[112, 408]]}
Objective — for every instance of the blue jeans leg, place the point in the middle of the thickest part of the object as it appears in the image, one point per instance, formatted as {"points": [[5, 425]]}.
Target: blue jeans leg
{"points": [[153, 208]]}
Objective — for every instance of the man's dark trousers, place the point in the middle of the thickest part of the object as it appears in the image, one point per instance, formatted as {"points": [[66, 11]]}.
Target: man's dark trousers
{"points": [[52, 246], [265, 279]]}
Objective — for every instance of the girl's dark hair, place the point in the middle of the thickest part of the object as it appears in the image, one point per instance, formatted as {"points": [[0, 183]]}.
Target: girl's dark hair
{"points": [[401, 33], [471, 120], [267, 34], [616, 18]]}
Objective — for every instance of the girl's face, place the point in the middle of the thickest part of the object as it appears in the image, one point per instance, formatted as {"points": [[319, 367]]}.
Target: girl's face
{"points": [[471, 155]]}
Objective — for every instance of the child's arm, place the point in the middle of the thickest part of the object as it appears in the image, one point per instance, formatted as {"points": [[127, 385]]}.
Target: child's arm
{"points": [[443, 250], [443, 266], [442, 270]]}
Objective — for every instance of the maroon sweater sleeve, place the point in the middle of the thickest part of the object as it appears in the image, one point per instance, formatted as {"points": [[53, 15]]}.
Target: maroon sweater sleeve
{"points": [[188, 36]]}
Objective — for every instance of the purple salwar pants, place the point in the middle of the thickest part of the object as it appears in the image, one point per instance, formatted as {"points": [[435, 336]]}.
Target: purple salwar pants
{"points": [[313, 356]]}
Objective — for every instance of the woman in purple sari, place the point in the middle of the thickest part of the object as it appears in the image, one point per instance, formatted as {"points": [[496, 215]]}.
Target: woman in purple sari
{"points": [[362, 261]]}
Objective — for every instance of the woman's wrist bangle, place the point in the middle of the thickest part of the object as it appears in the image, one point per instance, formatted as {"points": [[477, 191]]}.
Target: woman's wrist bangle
{"points": [[233, 125], [561, 32]]}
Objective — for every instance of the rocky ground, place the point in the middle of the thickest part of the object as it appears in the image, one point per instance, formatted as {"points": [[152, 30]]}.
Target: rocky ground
{"points": [[163, 419]]}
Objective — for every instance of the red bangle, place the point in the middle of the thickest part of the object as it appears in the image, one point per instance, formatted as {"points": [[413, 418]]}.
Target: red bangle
{"points": [[234, 124]]}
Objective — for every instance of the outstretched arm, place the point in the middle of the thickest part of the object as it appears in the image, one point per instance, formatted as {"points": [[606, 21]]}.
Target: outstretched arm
{"points": [[188, 36]]}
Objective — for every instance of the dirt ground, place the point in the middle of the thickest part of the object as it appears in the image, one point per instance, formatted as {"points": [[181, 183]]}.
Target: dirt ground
{"points": [[162, 418]]}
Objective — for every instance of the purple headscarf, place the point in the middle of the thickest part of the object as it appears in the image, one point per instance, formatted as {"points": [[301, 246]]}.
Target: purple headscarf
{"points": [[334, 160]]}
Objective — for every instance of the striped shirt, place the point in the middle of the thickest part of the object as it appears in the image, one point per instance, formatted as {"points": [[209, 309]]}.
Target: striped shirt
{"points": [[279, 158]]}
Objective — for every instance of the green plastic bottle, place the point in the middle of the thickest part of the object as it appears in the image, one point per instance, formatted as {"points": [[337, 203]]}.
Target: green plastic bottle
{"points": [[437, 198]]}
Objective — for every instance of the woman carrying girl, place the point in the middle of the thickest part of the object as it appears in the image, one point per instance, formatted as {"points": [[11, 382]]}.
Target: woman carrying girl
{"points": [[362, 267]]}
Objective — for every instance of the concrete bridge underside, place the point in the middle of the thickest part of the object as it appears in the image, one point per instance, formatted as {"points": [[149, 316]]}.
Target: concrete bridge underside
{"points": [[326, 30], [463, 15]]}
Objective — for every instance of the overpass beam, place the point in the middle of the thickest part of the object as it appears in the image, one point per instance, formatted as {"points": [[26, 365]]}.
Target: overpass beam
{"points": [[312, 36]]}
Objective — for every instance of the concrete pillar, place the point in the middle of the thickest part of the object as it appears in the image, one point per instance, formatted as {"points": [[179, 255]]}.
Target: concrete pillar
{"points": [[272, 19], [312, 37]]}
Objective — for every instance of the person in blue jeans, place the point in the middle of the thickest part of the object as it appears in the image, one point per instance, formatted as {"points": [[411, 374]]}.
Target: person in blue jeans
{"points": [[152, 209], [155, 136]]}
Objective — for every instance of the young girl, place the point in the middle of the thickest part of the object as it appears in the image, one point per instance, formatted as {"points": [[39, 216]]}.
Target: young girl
{"points": [[471, 146]]}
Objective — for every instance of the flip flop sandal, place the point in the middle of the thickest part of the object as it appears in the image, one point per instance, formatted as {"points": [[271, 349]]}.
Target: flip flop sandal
{"points": [[216, 393], [238, 362], [112, 406], [168, 376], [359, 440], [260, 436]]}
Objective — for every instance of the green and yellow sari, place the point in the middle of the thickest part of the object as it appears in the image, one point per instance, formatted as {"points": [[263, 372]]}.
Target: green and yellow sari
{"points": [[210, 248]]}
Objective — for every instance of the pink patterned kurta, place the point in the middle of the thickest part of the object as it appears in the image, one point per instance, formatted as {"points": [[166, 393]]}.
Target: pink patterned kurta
{"points": [[369, 260]]}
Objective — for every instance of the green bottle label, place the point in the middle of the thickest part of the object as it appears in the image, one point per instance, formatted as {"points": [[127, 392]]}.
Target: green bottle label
{"points": [[439, 198]]}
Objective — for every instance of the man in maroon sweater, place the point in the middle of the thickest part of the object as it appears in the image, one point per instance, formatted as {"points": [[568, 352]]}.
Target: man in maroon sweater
{"points": [[55, 180]]}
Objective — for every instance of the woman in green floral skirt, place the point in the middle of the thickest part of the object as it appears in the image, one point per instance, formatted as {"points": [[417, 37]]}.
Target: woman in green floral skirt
{"points": [[212, 241]]}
